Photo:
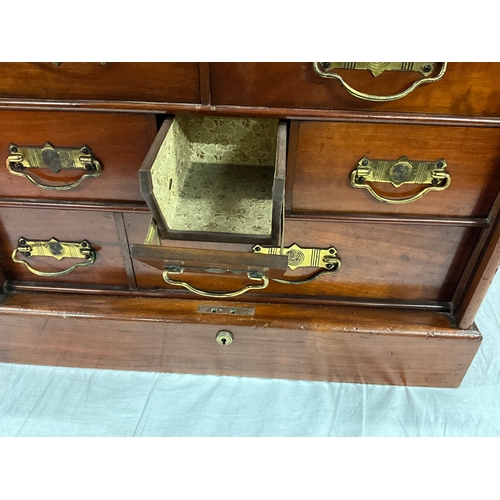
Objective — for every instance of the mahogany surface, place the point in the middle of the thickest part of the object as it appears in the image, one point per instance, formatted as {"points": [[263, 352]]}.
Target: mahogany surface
{"points": [[279, 341], [118, 141], [386, 261], [399, 311], [327, 153], [145, 81], [471, 89], [98, 228]]}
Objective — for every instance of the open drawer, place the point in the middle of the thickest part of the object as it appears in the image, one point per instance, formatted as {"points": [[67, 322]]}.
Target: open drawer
{"points": [[217, 179], [215, 188]]}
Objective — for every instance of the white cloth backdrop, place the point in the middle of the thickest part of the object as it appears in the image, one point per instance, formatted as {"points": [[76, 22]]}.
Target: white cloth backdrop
{"points": [[47, 401]]}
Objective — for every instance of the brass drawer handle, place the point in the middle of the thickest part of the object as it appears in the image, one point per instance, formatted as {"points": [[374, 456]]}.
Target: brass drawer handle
{"points": [[251, 275], [324, 70], [24, 158], [399, 172], [56, 249]]}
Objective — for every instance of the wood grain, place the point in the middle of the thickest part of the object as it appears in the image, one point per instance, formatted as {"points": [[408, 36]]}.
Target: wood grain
{"points": [[167, 82], [328, 153], [337, 344], [471, 89], [119, 141], [417, 263], [98, 228]]}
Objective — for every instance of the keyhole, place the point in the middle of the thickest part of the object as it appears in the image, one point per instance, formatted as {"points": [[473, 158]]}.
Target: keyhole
{"points": [[223, 341]]}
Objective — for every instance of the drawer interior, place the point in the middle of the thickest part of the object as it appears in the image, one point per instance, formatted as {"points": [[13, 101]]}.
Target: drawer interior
{"points": [[216, 178]]}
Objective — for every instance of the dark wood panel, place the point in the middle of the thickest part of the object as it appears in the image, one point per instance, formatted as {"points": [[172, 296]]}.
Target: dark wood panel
{"points": [[339, 344], [164, 82], [471, 89], [118, 141], [329, 152], [98, 228], [384, 261], [486, 269]]}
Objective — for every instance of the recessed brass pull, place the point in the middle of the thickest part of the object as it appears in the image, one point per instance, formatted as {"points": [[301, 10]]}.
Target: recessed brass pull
{"points": [[326, 259], [56, 249], [251, 275], [24, 159], [399, 172], [327, 70]]}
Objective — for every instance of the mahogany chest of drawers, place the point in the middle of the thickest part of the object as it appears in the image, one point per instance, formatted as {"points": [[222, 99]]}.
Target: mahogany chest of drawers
{"points": [[316, 221]]}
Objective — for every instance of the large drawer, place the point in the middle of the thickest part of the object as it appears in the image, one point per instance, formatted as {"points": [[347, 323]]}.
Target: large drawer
{"points": [[327, 154], [118, 141], [122, 81], [470, 89], [341, 344], [65, 226], [395, 262]]}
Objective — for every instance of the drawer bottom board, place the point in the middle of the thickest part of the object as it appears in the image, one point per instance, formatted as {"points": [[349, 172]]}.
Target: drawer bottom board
{"points": [[337, 344]]}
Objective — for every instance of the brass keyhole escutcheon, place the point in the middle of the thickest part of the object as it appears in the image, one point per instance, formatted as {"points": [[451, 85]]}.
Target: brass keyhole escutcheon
{"points": [[224, 337]]}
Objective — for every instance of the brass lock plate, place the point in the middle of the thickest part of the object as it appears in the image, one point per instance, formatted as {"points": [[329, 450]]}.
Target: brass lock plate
{"points": [[377, 68]]}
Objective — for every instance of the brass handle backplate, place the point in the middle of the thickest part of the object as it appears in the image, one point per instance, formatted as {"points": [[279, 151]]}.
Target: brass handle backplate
{"points": [[55, 249], [327, 70], [432, 175], [23, 160], [326, 260]]}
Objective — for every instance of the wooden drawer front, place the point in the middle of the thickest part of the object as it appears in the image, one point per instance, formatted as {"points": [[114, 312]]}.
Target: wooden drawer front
{"points": [[163, 82], [332, 343], [118, 141], [328, 152], [65, 226], [466, 88], [415, 263]]}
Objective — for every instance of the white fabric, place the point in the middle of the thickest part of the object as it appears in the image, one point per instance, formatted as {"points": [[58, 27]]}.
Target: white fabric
{"points": [[46, 401]]}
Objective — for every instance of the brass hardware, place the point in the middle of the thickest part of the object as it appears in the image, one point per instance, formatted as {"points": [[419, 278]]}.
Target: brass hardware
{"points": [[399, 172], [324, 70], [224, 337], [305, 257], [377, 68], [252, 275], [23, 158], [56, 249], [233, 311]]}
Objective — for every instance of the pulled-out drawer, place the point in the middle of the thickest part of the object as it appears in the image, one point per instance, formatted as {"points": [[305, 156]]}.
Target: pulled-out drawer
{"points": [[73, 155], [67, 246], [398, 169], [469, 89], [121, 81], [393, 262]]}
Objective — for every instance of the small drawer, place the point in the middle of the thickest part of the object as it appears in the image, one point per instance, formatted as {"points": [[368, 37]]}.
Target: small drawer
{"points": [[217, 179], [42, 148], [469, 89], [329, 153], [121, 81], [53, 244], [396, 262]]}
